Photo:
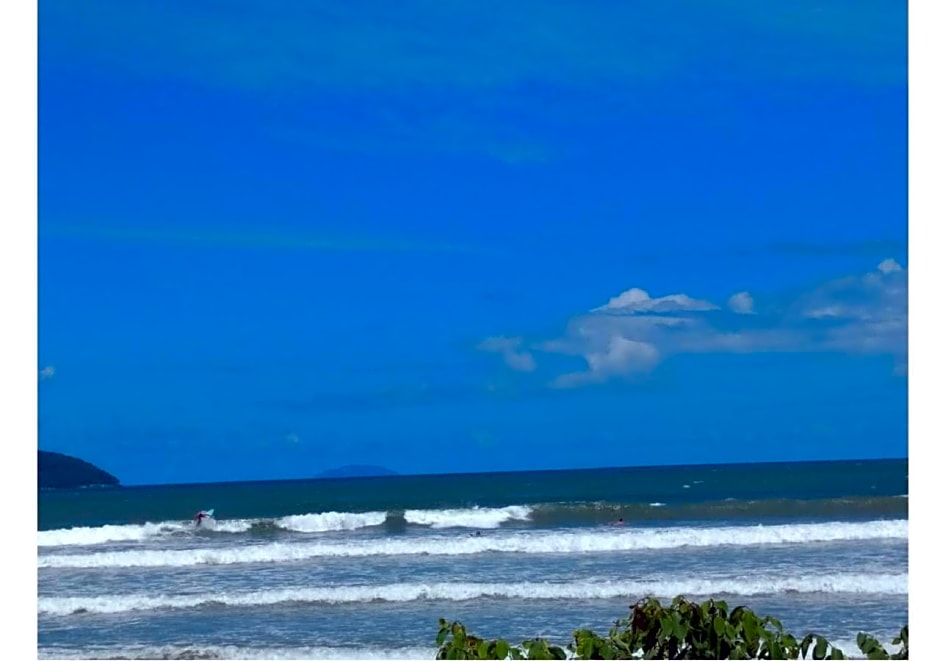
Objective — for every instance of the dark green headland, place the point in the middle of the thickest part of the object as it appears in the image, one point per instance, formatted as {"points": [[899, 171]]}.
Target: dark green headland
{"points": [[60, 471]]}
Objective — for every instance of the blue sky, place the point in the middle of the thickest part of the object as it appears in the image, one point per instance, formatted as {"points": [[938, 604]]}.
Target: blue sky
{"points": [[275, 238]]}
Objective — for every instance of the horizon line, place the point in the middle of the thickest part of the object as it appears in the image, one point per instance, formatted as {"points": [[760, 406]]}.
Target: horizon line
{"points": [[478, 473]]}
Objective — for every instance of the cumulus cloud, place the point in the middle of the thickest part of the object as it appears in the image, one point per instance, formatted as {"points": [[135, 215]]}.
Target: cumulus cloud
{"points": [[860, 314], [47, 372], [621, 357], [637, 300], [633, 332], [889, 266], [516, 358], [622, 337], [742, 303]]}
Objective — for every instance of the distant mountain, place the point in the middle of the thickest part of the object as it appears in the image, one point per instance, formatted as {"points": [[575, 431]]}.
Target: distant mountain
{"points": [[356, 471], [60, 471]]}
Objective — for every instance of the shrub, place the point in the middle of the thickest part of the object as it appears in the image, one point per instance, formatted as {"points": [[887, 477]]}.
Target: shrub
{"points": [[682, 630]]}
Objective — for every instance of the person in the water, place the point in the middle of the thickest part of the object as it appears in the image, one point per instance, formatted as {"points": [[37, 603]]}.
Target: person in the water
{"points": [[618, 522], [200, 515]]}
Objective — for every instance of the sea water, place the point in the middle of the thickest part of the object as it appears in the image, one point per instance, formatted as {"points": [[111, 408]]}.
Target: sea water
{"points": [[360, 568]]}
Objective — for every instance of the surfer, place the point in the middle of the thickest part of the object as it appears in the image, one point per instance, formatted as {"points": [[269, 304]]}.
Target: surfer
{"points": [[618, 522], [200, 515]]}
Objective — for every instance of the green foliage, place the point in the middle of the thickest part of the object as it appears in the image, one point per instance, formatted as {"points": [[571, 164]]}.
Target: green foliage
{"points": [[454, 643], [681, 630], [872, 649]]}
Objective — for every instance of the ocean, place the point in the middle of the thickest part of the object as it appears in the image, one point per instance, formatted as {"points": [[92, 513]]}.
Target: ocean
{"points": [[363, 568]]}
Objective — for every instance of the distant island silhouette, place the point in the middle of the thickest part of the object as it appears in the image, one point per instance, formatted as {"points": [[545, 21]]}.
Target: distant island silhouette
{"points": [[60, 471], [356, 471]]}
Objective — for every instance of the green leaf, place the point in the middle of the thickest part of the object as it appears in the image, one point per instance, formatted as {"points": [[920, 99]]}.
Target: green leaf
{"points": [[681, 631], [822, 646], [587, 650], [775, 651], [751, 628], [804, 646], [665, 624]]}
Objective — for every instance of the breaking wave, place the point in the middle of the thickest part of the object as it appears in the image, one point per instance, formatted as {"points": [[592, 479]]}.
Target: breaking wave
{"points": [[476, 517], [536, 516], [87, 536], [559, 541], [322, 522], [330, 521], [404, 592]]}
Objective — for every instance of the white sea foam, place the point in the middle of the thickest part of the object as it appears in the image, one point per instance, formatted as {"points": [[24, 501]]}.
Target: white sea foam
{"points": [[231, 525], [234, 652], [86, 536], [657, 504], [90, 536], [404, 592], [569, 541], [475, 517], [331, 521]]}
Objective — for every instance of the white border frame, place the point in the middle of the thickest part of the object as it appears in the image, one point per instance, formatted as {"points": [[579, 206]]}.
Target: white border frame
{"points": [[18, 262]]}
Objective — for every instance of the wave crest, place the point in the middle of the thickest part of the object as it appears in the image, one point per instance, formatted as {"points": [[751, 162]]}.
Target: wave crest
{"points": [[475, 517], [406, 592], [331, 521], [569, 541]]}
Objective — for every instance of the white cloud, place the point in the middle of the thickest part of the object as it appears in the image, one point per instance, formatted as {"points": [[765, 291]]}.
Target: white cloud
{"points": [[867, 314], [861, 314], [637, 300], [519, 360], [620, 357], [830, 311], [742, 303], [618, 339], [889, 266], [47, 372], [623, 355]]}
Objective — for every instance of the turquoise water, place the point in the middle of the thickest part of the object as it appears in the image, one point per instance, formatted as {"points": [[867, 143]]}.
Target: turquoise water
{"points": [[356, 568]]}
